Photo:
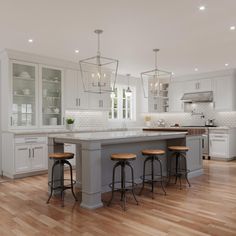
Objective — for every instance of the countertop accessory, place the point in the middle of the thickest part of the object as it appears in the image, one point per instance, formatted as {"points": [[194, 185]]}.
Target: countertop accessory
{"points": [[152, 80], [99, 73], [70, 123]]}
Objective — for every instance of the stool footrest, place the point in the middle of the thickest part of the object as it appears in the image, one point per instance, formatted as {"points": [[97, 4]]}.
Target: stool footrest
{"points": [[67, 186], [125, 188]]}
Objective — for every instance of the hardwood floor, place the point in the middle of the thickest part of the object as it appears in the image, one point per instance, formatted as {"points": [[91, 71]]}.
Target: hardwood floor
{"points": [[207, 208]]}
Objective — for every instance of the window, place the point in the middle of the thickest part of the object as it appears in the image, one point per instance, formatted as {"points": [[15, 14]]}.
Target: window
{"points": [[122, 107]]}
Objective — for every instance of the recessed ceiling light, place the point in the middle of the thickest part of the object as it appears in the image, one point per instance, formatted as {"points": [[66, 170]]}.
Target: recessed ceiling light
{"points": [[172, 73], [226, 64], [76, 51], [202, 8], [196, 69], [232, 27], [30, 40]]}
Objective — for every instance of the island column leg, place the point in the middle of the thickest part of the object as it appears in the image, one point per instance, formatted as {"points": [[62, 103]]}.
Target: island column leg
{"points": [[91, 175]]}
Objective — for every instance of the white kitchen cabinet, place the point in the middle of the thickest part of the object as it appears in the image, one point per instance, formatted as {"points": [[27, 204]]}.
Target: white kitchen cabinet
{"points": [[176, 91], [99, 101], [38, 154], [224, 93], [51, 102], [22, 162], [75, 97], [194, 86], [222, 143], [24, 95], [30, 158], [23, 155]]}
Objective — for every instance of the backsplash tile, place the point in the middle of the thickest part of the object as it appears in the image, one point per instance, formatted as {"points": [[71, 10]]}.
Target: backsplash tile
{"points": [[89, 119], [221, 118]]}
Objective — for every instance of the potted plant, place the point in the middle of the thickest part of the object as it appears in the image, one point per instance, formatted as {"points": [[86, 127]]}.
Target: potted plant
{"points": [[70, 123]]}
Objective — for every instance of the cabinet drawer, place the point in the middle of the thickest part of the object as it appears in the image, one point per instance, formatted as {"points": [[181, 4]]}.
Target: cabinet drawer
{"points": [[25, 140]]}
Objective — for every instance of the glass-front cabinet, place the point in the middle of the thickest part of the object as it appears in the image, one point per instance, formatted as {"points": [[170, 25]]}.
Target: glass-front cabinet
{"points": [[24, 95], [52, 80]]}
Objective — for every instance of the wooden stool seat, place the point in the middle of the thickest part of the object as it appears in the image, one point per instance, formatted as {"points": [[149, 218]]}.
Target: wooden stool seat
{"points": [[61, 156], [123, 156], [153, 152], [178, 148]]}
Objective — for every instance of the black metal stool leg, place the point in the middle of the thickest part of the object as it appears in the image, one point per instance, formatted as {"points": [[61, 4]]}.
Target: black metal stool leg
{"points": [[176, 167], [52, 181], [186, 174], [62, 181], [157, 159], [132, 174], [144, 173], [113, 183], [123, 185], [71, 180], [152, 169]]}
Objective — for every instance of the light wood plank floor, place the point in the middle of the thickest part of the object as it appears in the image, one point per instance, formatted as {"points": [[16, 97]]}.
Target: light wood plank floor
{"points": [[207, 208]]}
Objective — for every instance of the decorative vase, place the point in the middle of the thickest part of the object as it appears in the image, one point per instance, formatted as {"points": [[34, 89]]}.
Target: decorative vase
{"points": [[70, 126]]}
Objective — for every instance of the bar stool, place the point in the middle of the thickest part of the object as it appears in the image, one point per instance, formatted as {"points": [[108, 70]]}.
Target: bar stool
{"points": [[123, 160], [152, 156], [61, 159], [179, 153]]}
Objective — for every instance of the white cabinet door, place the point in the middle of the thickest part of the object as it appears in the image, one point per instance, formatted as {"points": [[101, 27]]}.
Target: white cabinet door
{"points": [[38, 157], [22, 158], [52, 89], [176, 91], [24, 95], [224, 89], [194, 86], [219, 145], [82, 97], [99, 101], [71, 89]]}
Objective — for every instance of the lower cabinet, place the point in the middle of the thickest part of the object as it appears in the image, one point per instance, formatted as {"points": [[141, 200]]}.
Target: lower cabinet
{"points": [[23, 155], [222, 144], [30, 157]]}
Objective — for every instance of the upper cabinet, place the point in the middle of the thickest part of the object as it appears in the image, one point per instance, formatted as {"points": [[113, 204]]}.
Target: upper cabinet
{"points": [[224, 93], [52, 110], [77, 99], [24, 94], [176, 91], [200, 85]]}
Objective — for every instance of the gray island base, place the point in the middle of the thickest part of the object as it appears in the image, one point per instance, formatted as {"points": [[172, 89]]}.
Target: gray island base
{"points": [[93, 164]]}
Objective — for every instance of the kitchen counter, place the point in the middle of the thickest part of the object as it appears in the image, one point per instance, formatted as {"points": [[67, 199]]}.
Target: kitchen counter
{"points": [[188, 130], [93, 164]]}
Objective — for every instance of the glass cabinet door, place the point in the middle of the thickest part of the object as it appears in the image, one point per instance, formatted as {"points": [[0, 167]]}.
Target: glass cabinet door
{"points": [[24, 104], [51, 96]]}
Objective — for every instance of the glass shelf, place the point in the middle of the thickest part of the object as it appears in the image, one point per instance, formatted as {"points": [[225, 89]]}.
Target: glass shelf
{"points": [[23, 78], [51, 93]]}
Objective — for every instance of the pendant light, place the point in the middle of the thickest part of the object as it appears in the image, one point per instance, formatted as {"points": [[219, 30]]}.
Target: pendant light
{"points": [[128, 92], [99, 73], [152, 80]]}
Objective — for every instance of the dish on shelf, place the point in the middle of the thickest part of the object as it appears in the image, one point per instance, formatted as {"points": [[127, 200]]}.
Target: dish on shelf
{"points": [[25, 74]]}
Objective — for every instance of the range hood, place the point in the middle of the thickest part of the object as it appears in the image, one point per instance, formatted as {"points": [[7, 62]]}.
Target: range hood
{"points": [[198, 97]]}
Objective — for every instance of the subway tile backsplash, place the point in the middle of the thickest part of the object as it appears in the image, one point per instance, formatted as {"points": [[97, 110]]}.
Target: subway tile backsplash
{"points": [[221, 118]]}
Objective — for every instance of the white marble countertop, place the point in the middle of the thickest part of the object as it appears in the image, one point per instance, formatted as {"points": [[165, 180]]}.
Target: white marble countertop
{"points": [[116, 135]]}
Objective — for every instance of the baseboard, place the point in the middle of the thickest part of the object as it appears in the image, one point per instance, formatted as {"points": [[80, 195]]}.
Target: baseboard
{"points": [[195, 173], [223, 158], [23, 175]]}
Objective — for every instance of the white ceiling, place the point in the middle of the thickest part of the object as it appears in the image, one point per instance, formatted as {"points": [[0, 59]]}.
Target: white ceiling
{"points": [[188, 38]]}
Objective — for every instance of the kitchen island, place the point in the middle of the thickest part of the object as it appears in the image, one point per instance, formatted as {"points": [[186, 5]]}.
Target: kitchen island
{"points": [[93, 164]]}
